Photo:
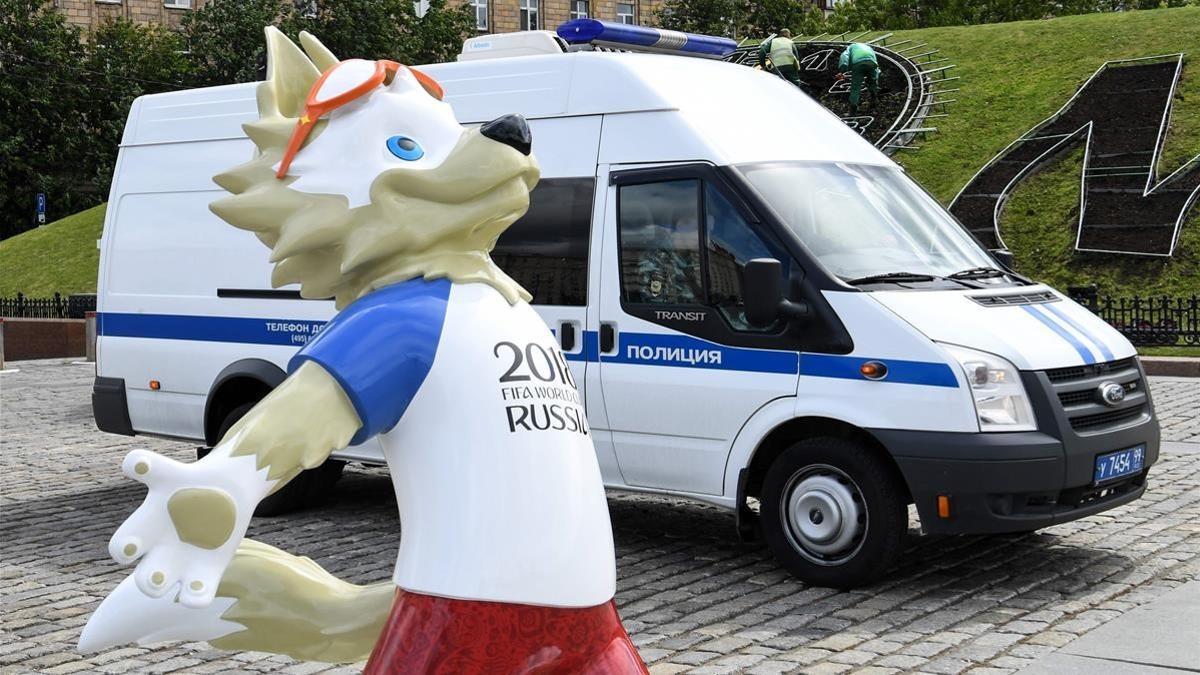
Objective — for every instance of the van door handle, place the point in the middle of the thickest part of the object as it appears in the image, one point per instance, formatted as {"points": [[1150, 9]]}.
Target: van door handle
{"points": [[566, 336], [608, 338]]}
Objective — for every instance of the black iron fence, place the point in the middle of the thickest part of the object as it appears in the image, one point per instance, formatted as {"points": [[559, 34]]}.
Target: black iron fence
{"points": [[1161, 321], [57, 307]]}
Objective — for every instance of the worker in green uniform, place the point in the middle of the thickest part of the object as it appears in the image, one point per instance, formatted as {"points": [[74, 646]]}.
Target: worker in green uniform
{"points": [[858, 61], [784, 56]]}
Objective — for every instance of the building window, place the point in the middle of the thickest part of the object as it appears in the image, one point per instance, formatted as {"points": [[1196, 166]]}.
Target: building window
{"points": [[626, 13], [178, 4], [579, 9], [529, 15], [481, 14]]}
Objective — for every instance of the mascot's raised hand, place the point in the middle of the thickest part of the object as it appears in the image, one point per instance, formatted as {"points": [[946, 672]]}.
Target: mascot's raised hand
{"points": [[367, 190]]}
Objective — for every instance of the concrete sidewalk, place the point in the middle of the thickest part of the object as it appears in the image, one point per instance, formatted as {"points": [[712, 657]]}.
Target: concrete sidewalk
{"points": [[1162, 636]]}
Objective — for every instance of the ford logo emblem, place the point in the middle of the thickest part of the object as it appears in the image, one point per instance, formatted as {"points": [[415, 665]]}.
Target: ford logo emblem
{"points": [[1111, 394]]}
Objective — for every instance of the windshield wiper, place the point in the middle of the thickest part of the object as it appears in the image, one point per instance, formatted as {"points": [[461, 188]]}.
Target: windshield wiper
{"points": [[890, 277], [977, 273]]}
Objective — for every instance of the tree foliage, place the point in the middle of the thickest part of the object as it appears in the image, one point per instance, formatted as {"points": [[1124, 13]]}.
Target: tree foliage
{"points": [[225, 38], [64, 95], [710, 17], [42, 129]]}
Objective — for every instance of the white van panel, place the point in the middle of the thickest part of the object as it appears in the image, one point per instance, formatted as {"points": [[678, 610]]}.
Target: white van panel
{"points": [[924, 389], [191, 115], [566, 146], [535, 86], [740, 116], [651, 137], [191, 165], [170, 244], [1032, 336]]}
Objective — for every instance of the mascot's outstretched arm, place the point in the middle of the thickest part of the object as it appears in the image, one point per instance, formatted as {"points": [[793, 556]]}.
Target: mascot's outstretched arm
{"points": [[188, 528], [188, 537]]}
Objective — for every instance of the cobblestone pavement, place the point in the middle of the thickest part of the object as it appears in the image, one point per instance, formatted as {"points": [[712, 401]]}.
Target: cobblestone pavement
{"points": [[1177, 402], [694, 597]]}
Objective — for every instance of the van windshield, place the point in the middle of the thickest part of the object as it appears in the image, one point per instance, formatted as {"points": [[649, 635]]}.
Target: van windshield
{"points": [[861, 221]]}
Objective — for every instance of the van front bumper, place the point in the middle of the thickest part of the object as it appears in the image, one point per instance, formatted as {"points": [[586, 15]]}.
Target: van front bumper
{"points": [[1012, 482], [1019, 481]]}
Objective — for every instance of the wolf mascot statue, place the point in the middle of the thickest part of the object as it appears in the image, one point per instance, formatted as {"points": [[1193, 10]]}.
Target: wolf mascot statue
{"points": [[368, 191]]}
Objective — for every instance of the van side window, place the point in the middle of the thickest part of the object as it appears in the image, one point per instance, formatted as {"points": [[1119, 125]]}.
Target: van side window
{"points": [[731, 244], [660, 243], [546, 250]]}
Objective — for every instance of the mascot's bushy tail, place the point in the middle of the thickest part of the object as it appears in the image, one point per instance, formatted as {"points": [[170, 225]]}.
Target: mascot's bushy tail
{"points": [[268, 601], [291, 605]]}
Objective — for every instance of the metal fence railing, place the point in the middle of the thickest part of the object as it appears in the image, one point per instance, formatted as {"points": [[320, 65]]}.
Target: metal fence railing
{"points": [[1147, 321], [57, 307]]}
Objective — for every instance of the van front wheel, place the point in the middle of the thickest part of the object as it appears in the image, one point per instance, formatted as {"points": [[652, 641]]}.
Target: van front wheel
{"points": [[833, 512], [308, 488]]}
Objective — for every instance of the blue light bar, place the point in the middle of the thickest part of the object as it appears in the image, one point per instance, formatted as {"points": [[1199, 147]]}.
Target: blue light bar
{"points": [[643, 38]]}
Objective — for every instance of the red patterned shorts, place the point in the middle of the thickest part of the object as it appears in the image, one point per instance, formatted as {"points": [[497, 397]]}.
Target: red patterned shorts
{"points": [[428, 634]]}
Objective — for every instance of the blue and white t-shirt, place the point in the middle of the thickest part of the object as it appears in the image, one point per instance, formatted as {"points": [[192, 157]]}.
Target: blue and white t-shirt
{"points": [[496, 479]]}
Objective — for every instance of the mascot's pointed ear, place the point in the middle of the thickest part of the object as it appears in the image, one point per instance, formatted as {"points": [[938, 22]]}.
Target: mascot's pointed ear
{"points": [[319, 53], [289, 74]]}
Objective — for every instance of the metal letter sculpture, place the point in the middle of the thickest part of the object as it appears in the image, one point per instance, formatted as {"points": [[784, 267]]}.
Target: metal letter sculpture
{"points": [[367, 190]]}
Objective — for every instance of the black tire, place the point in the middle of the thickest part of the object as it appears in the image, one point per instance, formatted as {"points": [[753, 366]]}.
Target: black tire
{"points": [[309, 488], [821, 476]]}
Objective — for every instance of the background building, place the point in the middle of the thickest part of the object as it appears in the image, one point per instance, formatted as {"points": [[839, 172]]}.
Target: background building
{"points": [[91, 13], [505, 16], [491, 16]]}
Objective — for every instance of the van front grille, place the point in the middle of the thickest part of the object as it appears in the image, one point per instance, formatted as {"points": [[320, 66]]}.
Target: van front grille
{"points": [[1106, 420], [1078, 390], [1080, 372]]}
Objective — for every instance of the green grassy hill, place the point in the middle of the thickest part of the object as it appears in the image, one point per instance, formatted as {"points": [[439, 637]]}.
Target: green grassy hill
{"points": [[60, 256], [1014, 75]]}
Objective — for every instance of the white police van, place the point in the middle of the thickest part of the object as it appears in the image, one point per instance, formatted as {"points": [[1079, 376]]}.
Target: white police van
{"points": [[762, 311]]}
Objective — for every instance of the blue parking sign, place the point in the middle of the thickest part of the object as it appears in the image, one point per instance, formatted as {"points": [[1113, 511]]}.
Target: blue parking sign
{"points": [[41, 202]]}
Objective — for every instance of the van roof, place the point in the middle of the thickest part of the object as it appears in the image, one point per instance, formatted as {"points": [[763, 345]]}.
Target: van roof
{"points": [[715, 95]]}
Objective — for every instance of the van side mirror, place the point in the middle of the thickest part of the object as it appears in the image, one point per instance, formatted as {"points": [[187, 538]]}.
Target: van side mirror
{"points": [[1004, 257], [763, 291]]}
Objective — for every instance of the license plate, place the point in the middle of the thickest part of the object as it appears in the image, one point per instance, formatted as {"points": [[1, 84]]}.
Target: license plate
{"points": [[1119, 464]]}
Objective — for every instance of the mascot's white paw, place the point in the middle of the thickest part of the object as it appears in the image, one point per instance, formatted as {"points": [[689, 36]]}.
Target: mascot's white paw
{"points": [[129, 616], [187, 530]]}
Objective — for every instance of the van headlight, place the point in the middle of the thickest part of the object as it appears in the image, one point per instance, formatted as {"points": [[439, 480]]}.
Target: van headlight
{"points": [[1000, 399]]}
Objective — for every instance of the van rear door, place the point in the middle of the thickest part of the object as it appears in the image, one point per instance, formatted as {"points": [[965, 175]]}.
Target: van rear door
{"points": [[681, 369]]}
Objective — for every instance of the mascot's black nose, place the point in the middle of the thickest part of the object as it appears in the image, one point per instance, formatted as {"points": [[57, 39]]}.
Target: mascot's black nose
{"points": [[510, 130]]}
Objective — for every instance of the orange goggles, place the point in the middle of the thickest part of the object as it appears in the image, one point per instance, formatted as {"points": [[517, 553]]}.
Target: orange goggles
{"points": [[315, 108]]}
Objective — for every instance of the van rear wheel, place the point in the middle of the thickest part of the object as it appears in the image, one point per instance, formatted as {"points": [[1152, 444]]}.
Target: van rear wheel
{"points": [[308, 488], [833, 512]]}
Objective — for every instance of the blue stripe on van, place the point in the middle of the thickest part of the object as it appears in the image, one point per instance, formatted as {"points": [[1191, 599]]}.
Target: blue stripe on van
{"points": [[652, 349], [1084, 353], [208, 328], [899, 372], [1096, 342]]}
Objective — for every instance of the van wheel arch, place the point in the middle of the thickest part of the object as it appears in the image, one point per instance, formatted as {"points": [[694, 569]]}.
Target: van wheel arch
{"points": [[750, 483], [241, 382]]}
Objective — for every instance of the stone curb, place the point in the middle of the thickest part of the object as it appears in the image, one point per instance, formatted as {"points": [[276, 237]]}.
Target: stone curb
{"points": [[1177, 366]]}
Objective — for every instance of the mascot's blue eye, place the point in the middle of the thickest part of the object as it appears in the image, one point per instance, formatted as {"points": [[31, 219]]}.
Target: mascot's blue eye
{"points": [[405, 148]]}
